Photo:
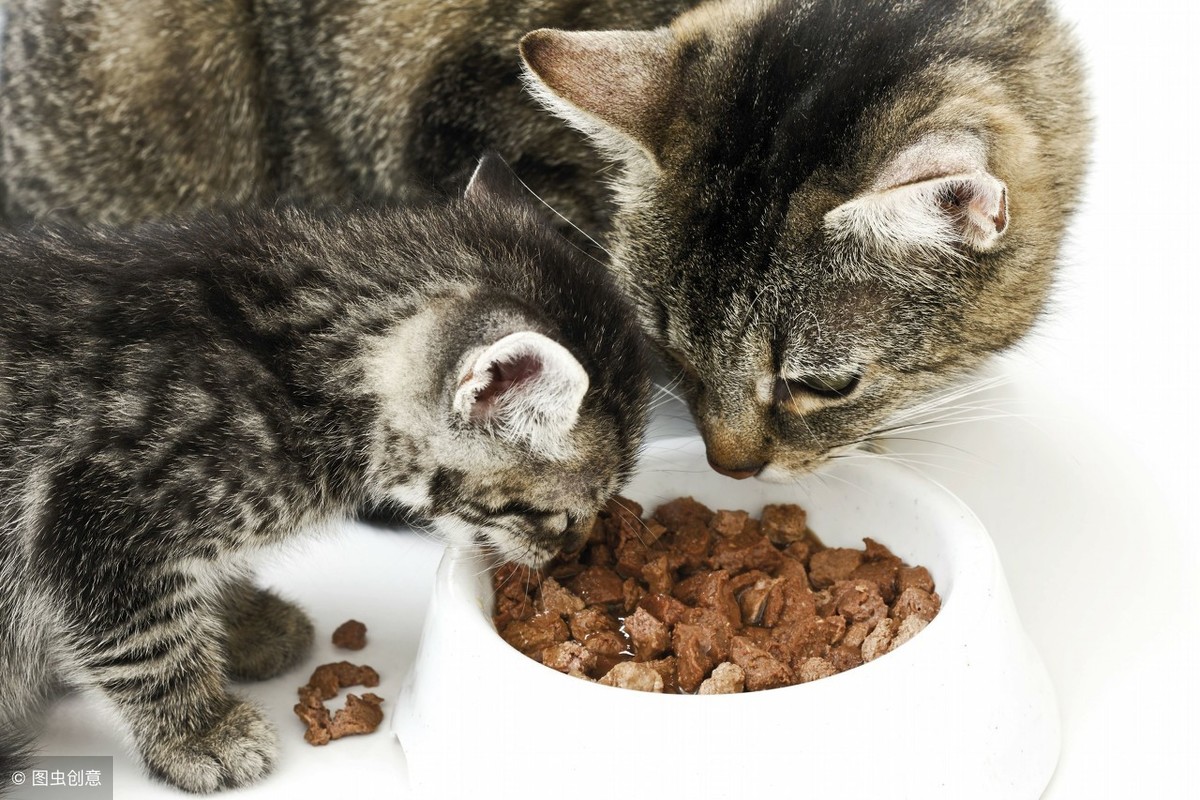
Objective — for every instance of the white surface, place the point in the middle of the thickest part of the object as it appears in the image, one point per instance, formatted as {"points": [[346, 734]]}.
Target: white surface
{"points": [[970, 681], [1085, 489]]}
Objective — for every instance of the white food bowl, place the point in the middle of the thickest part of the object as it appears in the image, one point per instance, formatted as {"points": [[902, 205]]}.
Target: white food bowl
{"points": [[963, 711]]}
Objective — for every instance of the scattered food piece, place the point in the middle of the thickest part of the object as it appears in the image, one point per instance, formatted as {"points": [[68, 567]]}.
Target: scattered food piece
{"points": [[350, 635], [360, 715]]}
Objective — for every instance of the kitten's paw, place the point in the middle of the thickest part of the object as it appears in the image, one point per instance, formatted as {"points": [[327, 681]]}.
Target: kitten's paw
{"points": [[238, 749], [267, 636]]}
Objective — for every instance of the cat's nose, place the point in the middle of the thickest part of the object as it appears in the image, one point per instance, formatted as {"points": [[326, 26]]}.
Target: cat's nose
{"points": [[740, 472]]}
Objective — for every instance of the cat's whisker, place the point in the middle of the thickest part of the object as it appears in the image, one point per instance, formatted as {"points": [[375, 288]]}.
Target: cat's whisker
{"points": [[563, 217]]}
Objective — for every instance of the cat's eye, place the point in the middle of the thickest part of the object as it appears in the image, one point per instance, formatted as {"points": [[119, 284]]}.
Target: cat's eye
{"points": [[831, 386]]}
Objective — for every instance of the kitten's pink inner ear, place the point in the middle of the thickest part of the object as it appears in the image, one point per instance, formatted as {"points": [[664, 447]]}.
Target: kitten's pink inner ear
{"points": [[613, 76], [503, 376]]}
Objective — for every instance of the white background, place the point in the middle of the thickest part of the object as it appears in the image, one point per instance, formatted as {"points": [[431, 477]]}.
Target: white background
{"points": [[1086, 481]]}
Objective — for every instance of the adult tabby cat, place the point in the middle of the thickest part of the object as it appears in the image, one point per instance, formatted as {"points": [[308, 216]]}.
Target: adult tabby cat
{"points": [[179, 396], [825, 209]]}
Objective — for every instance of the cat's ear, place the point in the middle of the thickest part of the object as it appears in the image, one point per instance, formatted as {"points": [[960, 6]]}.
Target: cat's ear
{"points": [[936, 194], [493, 178], [526, 388], [605, 83]]}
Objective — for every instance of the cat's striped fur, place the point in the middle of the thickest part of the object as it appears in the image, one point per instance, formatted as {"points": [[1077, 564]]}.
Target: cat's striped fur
{"points": [[865, 194]]}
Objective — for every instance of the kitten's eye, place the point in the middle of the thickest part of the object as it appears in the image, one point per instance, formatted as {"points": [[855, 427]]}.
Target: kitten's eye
{"points": [[521, 509], [832, 386]]}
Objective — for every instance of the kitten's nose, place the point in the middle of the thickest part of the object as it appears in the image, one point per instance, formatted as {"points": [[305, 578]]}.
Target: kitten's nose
{"points": [[739, 472], [573, 540]]}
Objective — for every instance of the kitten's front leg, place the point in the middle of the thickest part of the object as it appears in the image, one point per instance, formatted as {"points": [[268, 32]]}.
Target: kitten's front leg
{"points": [[267, 635], [153, 644]]}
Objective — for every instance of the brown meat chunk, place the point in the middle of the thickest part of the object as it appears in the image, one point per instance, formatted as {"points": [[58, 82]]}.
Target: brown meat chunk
{"points": [[634, 592], [881, 573], [622, 519], [682, 511], [914, 577], [844, 657], [699, 648], [515, 581], [830, 566], [664, 608], [632, 556], [350, 635], [328, 679], [598, 585], [360, 714], [317, 720], [591, 620], [789, 601], [859, 601], [856, 634], [569, 657], [809, 638], [668, 669], [535, 634], [508, 609], [605, 643], [878, 640], [658, 576], [557, 599], [814, 669], [752, 601], [727, 678], [730, 523], [784, 523], [801, 551], [908, 628], [634, 675], [915, 602], [689, 547], [745, 551], [716, 593], [762, 670], [650, 637]]}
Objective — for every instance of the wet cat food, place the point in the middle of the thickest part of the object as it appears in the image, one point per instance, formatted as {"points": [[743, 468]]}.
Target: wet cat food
{"points": [[712, 602], [350, 635], [360, 714]]}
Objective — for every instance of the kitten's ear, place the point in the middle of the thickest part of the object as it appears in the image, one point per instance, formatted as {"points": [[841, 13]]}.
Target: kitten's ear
{"points": [[493, 178], [605, 83], [937, 194], [526, 388]]}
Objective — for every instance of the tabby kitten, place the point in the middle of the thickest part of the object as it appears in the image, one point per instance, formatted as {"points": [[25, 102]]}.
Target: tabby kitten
{"points": [[825, 209], [176, 397]]}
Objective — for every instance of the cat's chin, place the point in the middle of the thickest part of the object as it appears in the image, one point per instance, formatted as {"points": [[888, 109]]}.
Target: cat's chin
{"points": [[774, 474]]}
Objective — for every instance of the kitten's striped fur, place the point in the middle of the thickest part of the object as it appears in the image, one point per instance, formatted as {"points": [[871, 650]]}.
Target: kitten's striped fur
{"points": [[178, 396]]}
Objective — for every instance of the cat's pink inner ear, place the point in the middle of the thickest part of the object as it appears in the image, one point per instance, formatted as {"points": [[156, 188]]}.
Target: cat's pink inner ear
{"points": [[614, 77], [978, 205]]}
